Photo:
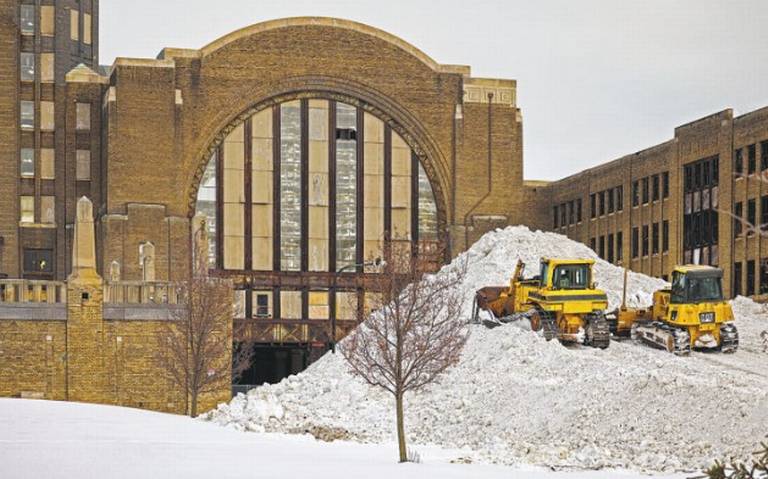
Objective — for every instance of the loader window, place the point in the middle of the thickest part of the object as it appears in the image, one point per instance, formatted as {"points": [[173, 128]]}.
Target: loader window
{"points": [[572, 276], [704, 289]]}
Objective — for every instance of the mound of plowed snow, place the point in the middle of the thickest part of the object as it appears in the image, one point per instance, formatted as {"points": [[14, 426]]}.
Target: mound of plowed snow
{"points": [[516, 398]]}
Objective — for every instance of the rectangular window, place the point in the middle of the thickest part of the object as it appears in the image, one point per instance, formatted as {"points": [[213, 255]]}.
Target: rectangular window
{"points": [[751, 216], [738, 212], [593, 244], [645, 240], [655, 190], [46, 68], [592, 206], [578, 210], [601, 243], [764, 155], [665, 236], [635, 193], [619, 246], [610, 248], [346, 189], [571, 212], [611, 201], [38, 261], [752, 158], [48, 209], [261, 304], [27, 163], [665, 184], [645, 190], [27, 19], [763, 276], [47, 164], [563, 215], [750, 278], [87, 28], [27, 209], [620, 198], [738, 162], [635, 242], [27, 113], [27, 66], [74, 25], [737, 278], [602, 202], [47, 116], [83, 116], [655, 238], [83, 165], [764, 213], [47, 23], [555, 216]]}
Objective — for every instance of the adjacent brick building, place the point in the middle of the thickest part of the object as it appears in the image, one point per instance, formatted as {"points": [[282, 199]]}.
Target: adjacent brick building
{"points": [[308, 144]]}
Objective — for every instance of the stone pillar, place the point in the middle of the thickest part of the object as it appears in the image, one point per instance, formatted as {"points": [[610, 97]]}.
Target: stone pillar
{"points": [[86, 360]]}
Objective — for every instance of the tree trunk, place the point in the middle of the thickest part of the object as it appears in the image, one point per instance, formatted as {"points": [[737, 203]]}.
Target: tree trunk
{"points": [[400, 427], [193, 405]]}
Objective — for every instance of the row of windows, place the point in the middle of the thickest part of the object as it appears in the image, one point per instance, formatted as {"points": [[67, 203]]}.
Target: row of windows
{"points": [[27, 209], [749, 223], [47, 118], [606, 201], [700, 215], [29, 65], [568, 213], [47, 161], [295, 304], [650, 242], [752, 287], [604, 247], [29, 21], [738, 161], [651, 187]]}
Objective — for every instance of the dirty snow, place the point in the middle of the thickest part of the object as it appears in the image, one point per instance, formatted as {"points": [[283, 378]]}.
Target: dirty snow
{"points": [[515, 398]]}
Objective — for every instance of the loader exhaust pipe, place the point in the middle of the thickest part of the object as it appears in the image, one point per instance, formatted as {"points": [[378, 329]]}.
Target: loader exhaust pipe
{"points": [[624, 291]]}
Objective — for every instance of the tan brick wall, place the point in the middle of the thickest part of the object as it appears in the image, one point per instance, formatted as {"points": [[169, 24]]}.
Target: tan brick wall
{"points": [[33, 358]]}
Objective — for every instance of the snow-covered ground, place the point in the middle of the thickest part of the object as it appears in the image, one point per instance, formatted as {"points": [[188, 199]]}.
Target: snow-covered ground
{"points": [[58, 440], [516, 399]]}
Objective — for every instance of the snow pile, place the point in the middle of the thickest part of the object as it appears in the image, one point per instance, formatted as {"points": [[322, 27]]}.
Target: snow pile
{"points": [[516, 398]]}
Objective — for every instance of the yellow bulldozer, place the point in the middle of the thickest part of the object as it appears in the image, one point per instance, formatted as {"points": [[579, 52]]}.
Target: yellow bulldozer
{"points": [[562, 301], [690, 314]]}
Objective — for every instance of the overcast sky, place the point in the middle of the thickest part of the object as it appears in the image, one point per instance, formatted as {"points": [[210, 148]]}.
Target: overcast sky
{"points": [[597, 79]]}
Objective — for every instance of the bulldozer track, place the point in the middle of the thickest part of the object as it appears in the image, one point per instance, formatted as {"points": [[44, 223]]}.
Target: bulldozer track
{"points": [[661, 335], [597, 331]]}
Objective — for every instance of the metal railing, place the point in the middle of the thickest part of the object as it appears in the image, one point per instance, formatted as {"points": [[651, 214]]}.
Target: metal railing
{"points": [[32, 291]]}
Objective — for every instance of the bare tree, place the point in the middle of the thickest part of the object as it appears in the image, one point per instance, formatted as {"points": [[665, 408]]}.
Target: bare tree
{"points": [[414, 333], [195, 346]]}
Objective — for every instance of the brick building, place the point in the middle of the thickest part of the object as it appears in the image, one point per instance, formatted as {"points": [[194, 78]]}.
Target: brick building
{"points": [[307, 143]]}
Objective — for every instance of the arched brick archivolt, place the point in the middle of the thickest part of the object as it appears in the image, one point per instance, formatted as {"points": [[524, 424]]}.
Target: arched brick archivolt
{"points": [[396, 117]]}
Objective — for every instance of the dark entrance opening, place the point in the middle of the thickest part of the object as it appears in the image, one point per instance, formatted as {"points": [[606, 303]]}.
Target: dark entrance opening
{"points": [[270, 364]]}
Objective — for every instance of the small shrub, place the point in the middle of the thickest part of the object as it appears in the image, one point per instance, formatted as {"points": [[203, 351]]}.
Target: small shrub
{"points": [[739, 470]]}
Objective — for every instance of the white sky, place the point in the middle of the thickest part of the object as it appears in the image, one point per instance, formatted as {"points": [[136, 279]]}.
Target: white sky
{"points": [[597, 79]]}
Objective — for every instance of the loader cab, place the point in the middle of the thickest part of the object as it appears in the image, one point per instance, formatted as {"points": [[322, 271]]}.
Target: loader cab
{"points": [[566, 274], [696, 284]]}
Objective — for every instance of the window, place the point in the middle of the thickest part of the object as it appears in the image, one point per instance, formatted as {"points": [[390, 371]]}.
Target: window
{"points": [[635, 242], [571, 276], [737, 278], [37, 261], [83, 166], [47, 163], [87, 28], [346, 189], [563, 215], [601, 246], [27, 209], [665, 236], [27, 163], [738, 162], [763, 213], [635, 193], [764, 155], [47, 22], [74, 25], [592, 208], [555, 216], [645, 190], [27, 115], [27, 19], [752, 158], [655, 188], [83, 116], [571, 213], [751, 216], [611, 201], [738, 212], [261, 304], [578, 210], [47, 209], [645, 240], [655, 238], [665, 184], [46, 67], [46, 116], [619, 246], [750, 278], [610, 248], [602, 202], [620, 198], [27, 66], [763, 276], [593, 244]]}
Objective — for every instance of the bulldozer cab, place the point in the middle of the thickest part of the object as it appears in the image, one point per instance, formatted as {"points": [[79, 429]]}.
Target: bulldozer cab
{"points": [[696, 284], [566, 274]]}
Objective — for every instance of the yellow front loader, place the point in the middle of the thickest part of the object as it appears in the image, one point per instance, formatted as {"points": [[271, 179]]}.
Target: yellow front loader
{"points": [[691, 314], [562, 301]]}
